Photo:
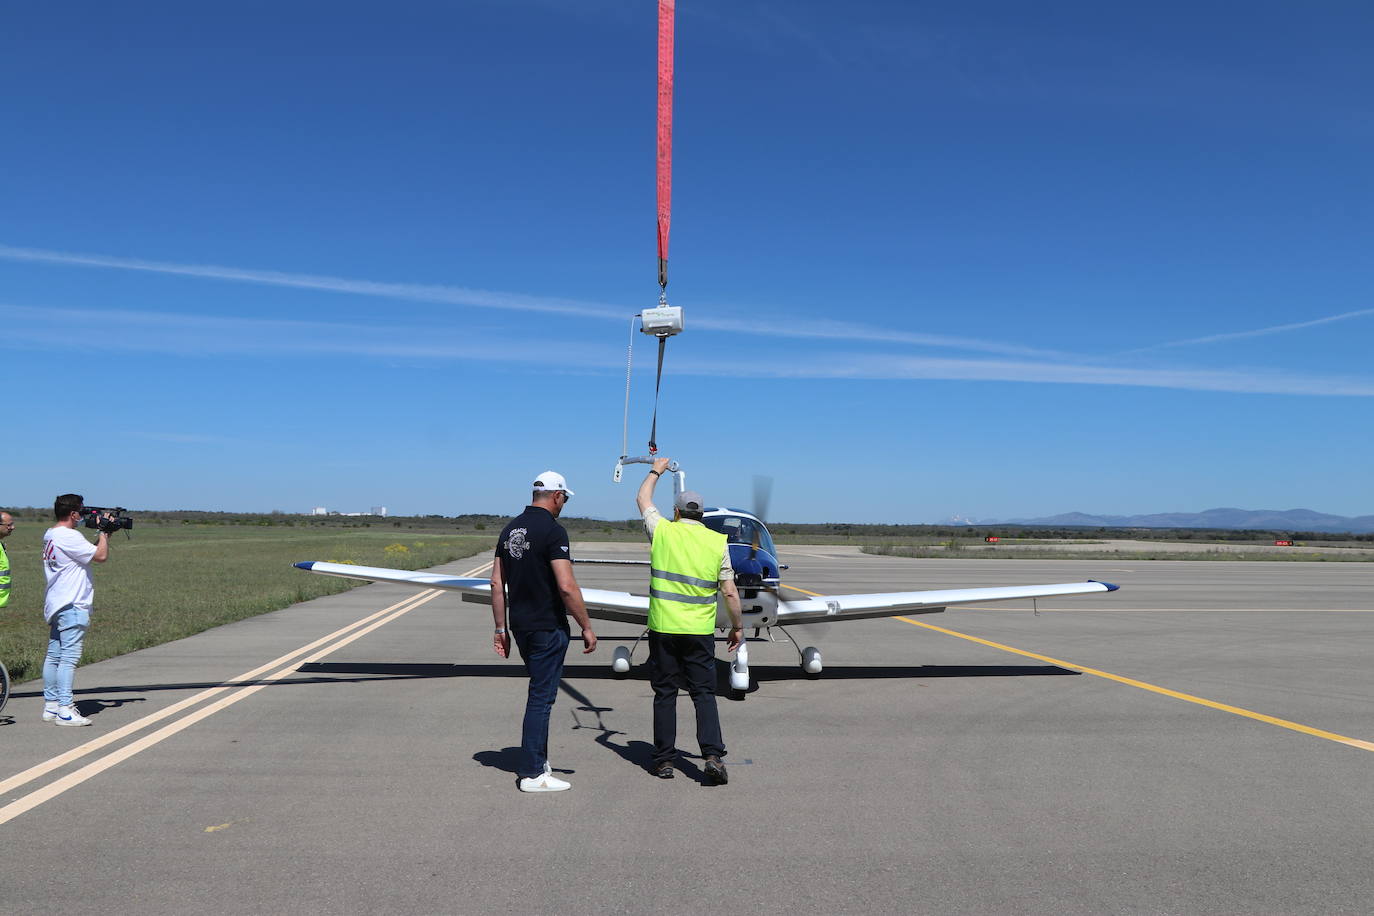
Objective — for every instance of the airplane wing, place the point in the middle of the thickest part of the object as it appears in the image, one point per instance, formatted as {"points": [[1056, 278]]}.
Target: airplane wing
{"points": [[890, 604], [602, 604]]}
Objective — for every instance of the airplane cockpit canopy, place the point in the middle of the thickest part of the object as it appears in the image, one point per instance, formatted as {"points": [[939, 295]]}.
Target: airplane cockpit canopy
{"points": [[739, 529]]}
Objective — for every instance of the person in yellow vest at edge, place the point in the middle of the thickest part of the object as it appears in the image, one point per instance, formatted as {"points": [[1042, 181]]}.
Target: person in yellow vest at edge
{"points": [[689, 565], [6, 529]]}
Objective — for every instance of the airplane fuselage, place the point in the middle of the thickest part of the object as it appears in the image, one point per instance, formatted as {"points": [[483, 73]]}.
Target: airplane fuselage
{"points": [[754, 559]]}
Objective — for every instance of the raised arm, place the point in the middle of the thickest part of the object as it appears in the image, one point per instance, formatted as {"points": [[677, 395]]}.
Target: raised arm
{"points": [[102, 548], [645, 497]]}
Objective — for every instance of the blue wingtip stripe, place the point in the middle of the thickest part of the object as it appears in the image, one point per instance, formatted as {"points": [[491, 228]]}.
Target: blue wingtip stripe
{"points": [[1110, 586], [307, 565]]}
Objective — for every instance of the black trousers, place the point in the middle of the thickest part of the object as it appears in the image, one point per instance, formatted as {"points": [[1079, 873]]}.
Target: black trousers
{"points": [[683, 660]]}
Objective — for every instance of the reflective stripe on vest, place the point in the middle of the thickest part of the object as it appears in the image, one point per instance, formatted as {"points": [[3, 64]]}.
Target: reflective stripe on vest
{"points": [[684, 564]]}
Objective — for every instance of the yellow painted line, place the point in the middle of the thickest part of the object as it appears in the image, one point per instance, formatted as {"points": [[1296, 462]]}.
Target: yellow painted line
{"points": [[1132, 682], [32, 800], [1193, 610], [96, 767]]}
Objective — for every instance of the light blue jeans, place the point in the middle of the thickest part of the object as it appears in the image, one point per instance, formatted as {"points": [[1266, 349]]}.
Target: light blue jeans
{"points": [[66, 638]]}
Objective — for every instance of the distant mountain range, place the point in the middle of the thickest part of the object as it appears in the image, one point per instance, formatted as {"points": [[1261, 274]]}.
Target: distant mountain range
{"points": [[1268, 519]]}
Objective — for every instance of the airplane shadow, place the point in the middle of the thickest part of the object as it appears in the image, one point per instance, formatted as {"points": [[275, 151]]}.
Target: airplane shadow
{"points": [[359, 672]]}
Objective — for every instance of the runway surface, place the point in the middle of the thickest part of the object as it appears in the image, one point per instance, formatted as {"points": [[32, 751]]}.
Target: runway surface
{"points": [[1197, 742]]}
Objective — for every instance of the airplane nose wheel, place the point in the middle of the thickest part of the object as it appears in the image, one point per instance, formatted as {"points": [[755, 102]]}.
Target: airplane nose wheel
{"points": [[620, 661], [739, 673]]}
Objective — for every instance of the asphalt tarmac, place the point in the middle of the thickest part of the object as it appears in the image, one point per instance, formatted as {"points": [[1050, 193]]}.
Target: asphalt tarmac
{"points": [[1197, 742]]}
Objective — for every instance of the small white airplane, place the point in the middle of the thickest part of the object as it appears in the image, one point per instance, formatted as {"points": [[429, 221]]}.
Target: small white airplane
{"points": [[758, 580]]}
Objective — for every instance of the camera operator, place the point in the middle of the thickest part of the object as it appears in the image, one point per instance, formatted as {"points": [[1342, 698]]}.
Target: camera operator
{"points": [[67, 559]]}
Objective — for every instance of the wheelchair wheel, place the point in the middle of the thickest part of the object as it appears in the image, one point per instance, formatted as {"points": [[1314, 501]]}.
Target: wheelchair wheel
{"points": [[4, 685]]}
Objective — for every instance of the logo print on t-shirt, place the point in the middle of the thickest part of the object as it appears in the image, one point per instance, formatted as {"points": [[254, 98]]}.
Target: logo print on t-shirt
{"points": [[516, 545]]}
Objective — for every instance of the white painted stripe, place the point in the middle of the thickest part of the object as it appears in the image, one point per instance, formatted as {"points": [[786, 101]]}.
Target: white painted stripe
{"points": [[105, 740], [354, 630], [96, 767]]}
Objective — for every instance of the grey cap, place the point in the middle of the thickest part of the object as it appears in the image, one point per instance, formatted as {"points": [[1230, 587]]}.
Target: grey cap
{"points": [[689, 501]]}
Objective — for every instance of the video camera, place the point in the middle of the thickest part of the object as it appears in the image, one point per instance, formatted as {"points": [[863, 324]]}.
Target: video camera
{"points": [[106, 520]]}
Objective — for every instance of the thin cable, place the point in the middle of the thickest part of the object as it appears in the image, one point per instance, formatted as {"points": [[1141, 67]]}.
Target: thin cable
{"points": [[629, 364]]}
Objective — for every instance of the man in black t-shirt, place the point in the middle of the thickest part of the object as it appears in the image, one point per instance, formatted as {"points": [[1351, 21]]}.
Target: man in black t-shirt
{"points": [[532, 593]]}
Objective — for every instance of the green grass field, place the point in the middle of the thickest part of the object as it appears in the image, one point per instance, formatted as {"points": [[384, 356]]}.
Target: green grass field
{"points": [[185, 572], [173, 580]]}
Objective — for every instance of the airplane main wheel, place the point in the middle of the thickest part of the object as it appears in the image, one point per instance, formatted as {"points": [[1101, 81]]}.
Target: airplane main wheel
{"points": [[620, 660], [811, 660]]}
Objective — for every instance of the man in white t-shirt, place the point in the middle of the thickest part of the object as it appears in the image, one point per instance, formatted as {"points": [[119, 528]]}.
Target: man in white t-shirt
{"points": [[67, 559]]}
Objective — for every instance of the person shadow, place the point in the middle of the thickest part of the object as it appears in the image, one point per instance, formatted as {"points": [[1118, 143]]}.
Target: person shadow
{"points": [[633, 751], [91, 708], [638, 753]]}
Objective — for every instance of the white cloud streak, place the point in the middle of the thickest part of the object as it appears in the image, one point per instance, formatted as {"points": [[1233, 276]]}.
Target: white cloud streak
{"points": [[196, 336], [780, 326], [1257, 332], [867, 367]]}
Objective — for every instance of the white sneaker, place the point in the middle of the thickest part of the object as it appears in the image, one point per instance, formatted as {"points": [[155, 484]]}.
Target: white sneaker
{"points": [[49, 713], [544, 783], [67, 715]]}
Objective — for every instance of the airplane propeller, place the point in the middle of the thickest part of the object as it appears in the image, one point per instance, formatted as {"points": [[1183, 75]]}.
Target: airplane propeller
{"points": [[763, 493]]}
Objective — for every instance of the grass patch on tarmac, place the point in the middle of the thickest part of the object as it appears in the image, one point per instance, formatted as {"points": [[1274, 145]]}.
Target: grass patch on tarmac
{"points": [[175, 580]]}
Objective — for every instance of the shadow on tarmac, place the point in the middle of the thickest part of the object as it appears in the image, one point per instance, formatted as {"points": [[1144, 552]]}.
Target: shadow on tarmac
{"points": [[358, 672]]}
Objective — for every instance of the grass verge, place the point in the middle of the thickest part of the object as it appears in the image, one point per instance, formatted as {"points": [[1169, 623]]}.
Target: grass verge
{"points": [[926, 552], [173, 581]]}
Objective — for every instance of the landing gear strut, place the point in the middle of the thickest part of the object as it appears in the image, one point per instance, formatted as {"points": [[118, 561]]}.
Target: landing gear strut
{"points": [[810, 656]]}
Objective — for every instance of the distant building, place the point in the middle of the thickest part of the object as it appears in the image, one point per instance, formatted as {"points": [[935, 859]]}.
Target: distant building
{"points": [[379, 510], [319, 510]]}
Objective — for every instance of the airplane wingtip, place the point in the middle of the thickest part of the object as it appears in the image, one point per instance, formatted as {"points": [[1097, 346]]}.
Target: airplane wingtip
{"points": [[1110, 586], [307, 565]]}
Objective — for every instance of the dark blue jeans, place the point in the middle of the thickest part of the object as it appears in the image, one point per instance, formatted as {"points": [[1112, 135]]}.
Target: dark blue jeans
{"points": [[677, 659], [543, 652]]}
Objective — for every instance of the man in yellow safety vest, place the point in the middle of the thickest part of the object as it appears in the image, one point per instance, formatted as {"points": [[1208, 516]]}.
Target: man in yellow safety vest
{"points": [[689, 567], [6, 529]]}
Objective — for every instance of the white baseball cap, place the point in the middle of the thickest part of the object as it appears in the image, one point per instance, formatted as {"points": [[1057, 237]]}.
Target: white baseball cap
{"points": [[552, 480]]}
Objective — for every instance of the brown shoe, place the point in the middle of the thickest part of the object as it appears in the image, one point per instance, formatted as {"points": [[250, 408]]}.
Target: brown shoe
{"points": [[663, 770], [715, 772]]}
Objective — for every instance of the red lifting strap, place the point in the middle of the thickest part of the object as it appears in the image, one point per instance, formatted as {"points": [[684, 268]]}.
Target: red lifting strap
{"points": [[665, 134]]}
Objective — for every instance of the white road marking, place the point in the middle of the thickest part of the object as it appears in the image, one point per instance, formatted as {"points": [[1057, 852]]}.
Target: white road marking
{"points": [[349, 633]]}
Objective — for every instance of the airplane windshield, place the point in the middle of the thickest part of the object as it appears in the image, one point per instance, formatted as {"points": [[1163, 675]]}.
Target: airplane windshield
{"points": [[740, 530]]}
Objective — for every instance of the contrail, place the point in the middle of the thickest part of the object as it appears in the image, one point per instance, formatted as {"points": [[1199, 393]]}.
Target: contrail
{"points": [[158, 332], [1257, 332], [491, 299]]}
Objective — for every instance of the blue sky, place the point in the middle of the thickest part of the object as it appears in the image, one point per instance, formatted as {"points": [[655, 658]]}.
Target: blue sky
{"points": [[987, 259]]}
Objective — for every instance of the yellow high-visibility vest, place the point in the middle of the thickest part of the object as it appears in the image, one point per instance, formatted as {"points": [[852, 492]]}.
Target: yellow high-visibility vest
{"points": [[683, 578], [4, 577]]}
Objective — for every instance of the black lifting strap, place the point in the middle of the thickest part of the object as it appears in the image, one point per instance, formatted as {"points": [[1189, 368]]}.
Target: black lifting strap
{"points": [[653, 431]]}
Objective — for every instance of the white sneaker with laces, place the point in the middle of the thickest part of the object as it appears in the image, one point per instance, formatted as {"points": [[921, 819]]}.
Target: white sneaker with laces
{"points": [[49, 712], [544, 783], [67, 715]]}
